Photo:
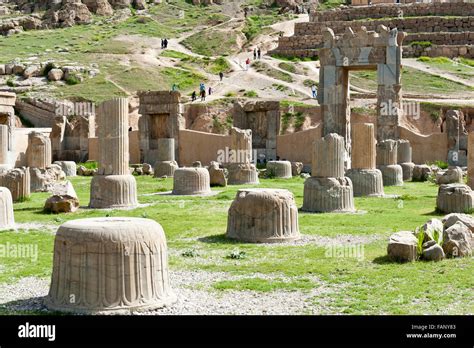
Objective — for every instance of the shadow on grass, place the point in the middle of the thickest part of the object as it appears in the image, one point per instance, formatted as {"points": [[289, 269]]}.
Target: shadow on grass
{"points": [[383, 260], [435, 212], [29, 306], [218, 239]]}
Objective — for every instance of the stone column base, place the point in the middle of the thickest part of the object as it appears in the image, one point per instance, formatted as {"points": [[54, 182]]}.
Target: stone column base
{"points": [[165, 168], [407, 169], [326, 195], [279, 169], [242, 174], [366, 182], [263, 216], [113, 191], [191, 181], [455, 198], [392, 174]]}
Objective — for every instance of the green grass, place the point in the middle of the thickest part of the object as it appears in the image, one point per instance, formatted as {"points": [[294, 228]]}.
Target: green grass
{"points": [[457, 68], [371, 285], [213, 42], [413, 81], [293, 58], [250, 94], [255, 25], [266, 69]]}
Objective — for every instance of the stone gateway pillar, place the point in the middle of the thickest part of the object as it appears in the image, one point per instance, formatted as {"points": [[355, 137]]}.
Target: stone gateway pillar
{"points": [[241, 170], [113, 186], [366, 179], [4, 155], [39, 153]]}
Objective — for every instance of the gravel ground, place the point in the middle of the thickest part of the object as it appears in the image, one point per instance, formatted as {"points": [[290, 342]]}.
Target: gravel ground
{"points": [[196, 296]]}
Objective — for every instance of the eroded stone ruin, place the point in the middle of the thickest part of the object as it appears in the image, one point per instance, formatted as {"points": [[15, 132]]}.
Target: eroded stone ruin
{"points": [[387, 154], [7, 219]]}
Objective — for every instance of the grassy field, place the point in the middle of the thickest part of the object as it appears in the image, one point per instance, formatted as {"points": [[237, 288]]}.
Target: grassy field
{"points": [[413, 81], [461, 68], [195, 229]]}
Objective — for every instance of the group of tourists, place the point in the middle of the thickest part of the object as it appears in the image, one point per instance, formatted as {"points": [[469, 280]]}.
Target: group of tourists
{"points": [[164, 44]]}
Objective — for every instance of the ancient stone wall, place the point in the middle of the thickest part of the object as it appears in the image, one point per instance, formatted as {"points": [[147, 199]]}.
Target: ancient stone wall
{"points": [[295, 147], [200, 146], [391, 10]]}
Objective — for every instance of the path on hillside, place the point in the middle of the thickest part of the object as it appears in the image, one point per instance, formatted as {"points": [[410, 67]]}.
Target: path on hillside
{"points": [[239, 79], [429, 69]]}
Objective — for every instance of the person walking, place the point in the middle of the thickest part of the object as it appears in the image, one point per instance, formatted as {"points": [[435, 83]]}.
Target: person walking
{"points": [[247, 64], [193, 96], [221, 75], [254, 54], [162, 43], [202, 87], [203, 95], [259, 53], [165, 43], [210, 90], [174, 87], [314, 91]]}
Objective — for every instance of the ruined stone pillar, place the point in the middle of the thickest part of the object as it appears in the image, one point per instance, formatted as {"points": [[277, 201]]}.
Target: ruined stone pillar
{"points": [[392, 173], [39, 154], [263, 216], [404, 158], [165, 164], [241, 170], [455, 198], [113, 186], [4, 154], [328, 190], [366, 179], [110, 265], [18, 182], [470, 161], [7, 220]]}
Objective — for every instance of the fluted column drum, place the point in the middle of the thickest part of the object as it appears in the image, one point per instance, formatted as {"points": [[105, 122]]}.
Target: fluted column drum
{"points": [[404, 151], [366, 182], [455, 198], [392, 175], [279, 169], [387, 152], [104, 265], [39, 154], [7, 219], [112, 117], [165, 168], [328, 157], [324, 195], [363, 146], [242, 174], [241, 145], [113, 191], [18, 182], [263, 216], [191, 181]]}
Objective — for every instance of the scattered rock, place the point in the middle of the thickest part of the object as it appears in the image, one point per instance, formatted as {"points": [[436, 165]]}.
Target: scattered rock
{"points": [[430, 227], [55, 75], [451, 219], [217, 175], [296, 168], [451, 176], [421, 172], [147, 169], [197, 164], [433, 252], [402, 246], [457, 240], [64, 199]]}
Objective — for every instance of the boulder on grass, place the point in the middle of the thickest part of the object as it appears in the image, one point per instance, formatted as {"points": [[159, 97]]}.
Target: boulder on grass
{"points": [[433, 251], [457, 240], [63, 200], [402, 246], [451, 219]]}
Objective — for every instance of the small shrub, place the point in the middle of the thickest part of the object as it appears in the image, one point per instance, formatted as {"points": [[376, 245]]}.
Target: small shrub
{"points": [[73, 80], [189, 253], [237, 255], [251, 94]]}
